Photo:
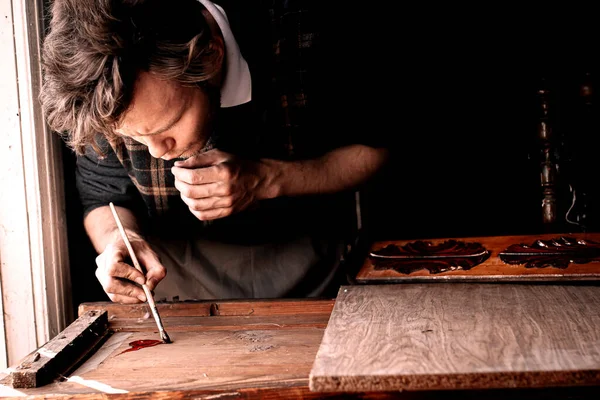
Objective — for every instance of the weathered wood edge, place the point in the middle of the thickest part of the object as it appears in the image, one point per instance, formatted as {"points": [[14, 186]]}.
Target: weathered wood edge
{"points": [[476, 381], [533, 278], [60, 354], [303, 393]]}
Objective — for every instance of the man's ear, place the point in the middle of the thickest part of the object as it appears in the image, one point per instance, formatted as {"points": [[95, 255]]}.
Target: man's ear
{"points": [[217, 44]]}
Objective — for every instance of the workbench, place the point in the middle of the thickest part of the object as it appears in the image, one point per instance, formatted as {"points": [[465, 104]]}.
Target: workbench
{"points": [[525, 335], [249, 347], [225, 350]]}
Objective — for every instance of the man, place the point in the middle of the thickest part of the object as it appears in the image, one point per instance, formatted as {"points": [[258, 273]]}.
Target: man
{"points": [[223, 193]]}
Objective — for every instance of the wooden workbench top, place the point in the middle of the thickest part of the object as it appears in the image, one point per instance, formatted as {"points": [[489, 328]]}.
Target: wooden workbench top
{"points": [[222, 350]]}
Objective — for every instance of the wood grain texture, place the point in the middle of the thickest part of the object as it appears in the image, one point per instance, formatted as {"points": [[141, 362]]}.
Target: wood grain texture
{"points": [[267, 346], [287, 364], [213, 359], [198, 324], [460, 336], [492, 269], [214, 308]]}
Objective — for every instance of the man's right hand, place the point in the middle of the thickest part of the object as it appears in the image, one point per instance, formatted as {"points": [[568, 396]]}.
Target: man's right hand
{"points": [[117, 277]]}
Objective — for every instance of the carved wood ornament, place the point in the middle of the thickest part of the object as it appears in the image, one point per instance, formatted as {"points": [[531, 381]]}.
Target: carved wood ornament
{"points": [[436, 258], [558, 253]]}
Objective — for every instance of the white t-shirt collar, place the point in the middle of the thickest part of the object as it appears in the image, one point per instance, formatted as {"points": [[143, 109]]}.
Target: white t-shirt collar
{"points": [[237, 85]]}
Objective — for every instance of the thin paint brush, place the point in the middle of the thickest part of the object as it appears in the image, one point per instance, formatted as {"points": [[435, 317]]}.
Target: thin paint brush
{"points": [[163, 334]]}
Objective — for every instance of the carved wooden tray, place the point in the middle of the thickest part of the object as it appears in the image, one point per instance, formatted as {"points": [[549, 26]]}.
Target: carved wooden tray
{"points": [[550, 257]]}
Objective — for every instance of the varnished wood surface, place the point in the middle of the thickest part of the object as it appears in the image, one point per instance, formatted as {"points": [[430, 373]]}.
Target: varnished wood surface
{"points": [[492, 269], [213, 359], [460, 336], [217, 347]]}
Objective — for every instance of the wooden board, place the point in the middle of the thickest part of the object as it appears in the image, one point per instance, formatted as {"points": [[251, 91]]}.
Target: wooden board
{"points": [[492, 268], [460, 336], [217, 346]]}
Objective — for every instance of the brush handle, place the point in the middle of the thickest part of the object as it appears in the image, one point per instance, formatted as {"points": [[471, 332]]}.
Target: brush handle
{"points": [[137, 265]]}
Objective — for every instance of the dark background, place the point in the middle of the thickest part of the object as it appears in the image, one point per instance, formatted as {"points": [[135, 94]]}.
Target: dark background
{"points": [[458, 104]]}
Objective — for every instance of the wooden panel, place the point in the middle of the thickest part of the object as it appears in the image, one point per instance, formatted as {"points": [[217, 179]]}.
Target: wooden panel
{"points": [[269, 348], [492, 269], [460, 336], [212, 359]]}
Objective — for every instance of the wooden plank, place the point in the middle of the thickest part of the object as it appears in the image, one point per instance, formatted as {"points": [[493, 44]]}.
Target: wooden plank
{"points": [[62, 353], [242, 356], [215, 308], [212, 360], [198, 324], [460, 336], [492, 269], [274, 346]]}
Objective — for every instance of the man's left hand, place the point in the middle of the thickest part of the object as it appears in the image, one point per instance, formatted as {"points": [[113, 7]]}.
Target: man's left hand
{"points": [[216, 184]]}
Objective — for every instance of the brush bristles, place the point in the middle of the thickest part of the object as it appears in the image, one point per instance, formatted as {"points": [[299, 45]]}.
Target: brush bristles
{"points": [[165, 338]]}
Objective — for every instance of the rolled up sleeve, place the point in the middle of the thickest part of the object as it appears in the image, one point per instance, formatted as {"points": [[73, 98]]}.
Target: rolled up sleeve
{"points": [[101, 180]]}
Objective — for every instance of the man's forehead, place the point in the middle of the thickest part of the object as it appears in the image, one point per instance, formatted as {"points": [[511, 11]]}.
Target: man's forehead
{"points": [[154, 100], [150, 91]]}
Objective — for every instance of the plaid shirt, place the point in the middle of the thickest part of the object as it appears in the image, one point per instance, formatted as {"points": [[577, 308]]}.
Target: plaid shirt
{"points": [[151, 176]]}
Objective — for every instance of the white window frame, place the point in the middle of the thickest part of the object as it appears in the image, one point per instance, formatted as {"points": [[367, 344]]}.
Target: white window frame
{"points": [[35, 288]]}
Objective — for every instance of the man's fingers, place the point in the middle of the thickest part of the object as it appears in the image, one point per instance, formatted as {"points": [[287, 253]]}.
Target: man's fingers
{"points": [[215, 213], [110, 262], [121, 288], [205, 159], [125, 271], [116, 298], [209, 203], [155, 271], [116, 285], [202, 191], [198, 176], [117, 277]]}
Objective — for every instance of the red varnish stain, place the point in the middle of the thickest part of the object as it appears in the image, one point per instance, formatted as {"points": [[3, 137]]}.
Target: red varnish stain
{"points": [[140, 344]]}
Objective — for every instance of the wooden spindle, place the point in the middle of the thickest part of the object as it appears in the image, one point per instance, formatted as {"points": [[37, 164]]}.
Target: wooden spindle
{"points": [[548, 162]]}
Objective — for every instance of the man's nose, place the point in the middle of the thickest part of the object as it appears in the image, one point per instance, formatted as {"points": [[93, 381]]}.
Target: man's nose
{"points": [[158, 147]]}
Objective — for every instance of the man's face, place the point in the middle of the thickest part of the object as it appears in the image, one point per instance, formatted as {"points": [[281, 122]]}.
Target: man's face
{"points": [[173, 121]]}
